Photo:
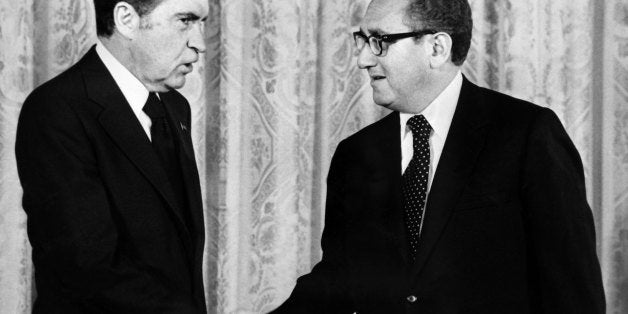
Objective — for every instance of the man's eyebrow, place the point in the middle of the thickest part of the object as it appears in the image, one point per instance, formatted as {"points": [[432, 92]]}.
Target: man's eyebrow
{"points": [[188, 15], [371, 31]]}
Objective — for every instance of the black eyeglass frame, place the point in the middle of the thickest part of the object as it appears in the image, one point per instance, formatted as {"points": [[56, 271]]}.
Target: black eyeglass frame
{"points": [[375, 41]]}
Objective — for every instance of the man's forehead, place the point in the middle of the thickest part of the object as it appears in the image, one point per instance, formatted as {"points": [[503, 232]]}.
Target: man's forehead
{"points": [[384, 16]]}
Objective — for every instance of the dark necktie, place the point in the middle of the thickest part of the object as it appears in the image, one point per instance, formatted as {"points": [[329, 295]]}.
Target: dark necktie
{"points": [[163, 143], [414, 180]]}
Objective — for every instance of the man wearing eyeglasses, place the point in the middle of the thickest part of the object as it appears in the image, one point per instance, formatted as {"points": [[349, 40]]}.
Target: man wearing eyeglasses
{"points": [[463, 200]]}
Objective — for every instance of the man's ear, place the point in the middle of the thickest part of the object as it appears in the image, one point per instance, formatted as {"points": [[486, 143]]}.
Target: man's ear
{"points": [[441, 44], [126, 19]]}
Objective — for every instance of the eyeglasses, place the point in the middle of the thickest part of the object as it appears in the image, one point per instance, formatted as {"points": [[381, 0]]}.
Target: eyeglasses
{"points": [[379, 43]]}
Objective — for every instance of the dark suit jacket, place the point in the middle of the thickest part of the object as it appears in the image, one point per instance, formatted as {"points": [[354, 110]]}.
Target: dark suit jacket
{"points": [[106, 231], [507, 226]]}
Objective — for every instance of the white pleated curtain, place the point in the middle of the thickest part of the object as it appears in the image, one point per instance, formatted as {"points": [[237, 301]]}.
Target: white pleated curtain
{"points": [[279, 88]]}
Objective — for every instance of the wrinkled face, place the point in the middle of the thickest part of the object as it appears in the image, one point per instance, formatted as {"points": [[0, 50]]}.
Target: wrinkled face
{"points": [[398, 77], [168, 42]]}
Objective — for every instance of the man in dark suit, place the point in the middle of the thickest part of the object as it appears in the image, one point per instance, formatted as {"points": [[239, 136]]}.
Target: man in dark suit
{"points": [[106, 163], [463, 200]]}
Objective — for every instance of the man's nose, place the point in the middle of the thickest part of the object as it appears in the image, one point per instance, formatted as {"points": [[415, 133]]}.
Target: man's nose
{"points": [[366, 58], [197, 38]]}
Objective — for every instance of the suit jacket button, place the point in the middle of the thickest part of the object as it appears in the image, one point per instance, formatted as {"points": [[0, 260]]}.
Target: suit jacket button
{"points": [[411, 299]]}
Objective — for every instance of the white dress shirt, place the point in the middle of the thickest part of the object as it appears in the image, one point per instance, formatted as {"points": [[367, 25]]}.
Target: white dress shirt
{"points": [[439, 114], [133, 90]]}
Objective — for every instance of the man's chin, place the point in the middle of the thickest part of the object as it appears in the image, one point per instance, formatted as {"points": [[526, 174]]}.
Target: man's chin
{"points": [[383, 98], [390, 106], [176, 83], [382, 102]]}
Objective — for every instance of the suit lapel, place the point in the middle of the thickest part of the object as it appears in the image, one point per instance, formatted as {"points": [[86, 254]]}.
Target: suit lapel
{"points": [[186, 159], [119, 121], [181, 128], [464, 142], [388, 154]]}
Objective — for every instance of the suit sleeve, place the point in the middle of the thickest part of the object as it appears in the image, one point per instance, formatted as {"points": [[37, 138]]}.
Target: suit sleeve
{"points": [[72, 226], [324, 289], [564, 271]]}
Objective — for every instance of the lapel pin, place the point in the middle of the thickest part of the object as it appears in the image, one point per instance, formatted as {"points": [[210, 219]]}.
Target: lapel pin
{"points": [[183, 127]]}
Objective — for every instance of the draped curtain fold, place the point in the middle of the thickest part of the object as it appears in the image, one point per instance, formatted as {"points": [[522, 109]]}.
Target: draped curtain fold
{"points": [[278, 89]]}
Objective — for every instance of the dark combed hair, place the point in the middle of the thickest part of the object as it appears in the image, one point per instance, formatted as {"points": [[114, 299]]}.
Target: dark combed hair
{"points": [[450, 16], [104, 13]]}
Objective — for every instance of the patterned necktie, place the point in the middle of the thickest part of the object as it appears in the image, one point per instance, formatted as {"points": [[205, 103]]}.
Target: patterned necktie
{"points": [[414, 180]]}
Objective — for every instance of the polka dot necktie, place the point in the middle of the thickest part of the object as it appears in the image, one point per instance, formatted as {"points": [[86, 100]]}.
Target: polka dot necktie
{"points": [[414, 180]]}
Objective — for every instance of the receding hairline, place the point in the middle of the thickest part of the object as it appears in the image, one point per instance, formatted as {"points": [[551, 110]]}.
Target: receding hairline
{"points": [[382, 9], [407, 19]]}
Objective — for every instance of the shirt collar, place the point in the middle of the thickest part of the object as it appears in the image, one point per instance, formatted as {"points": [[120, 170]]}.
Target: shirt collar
{"points": [[133, 90], [440, 111]]}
